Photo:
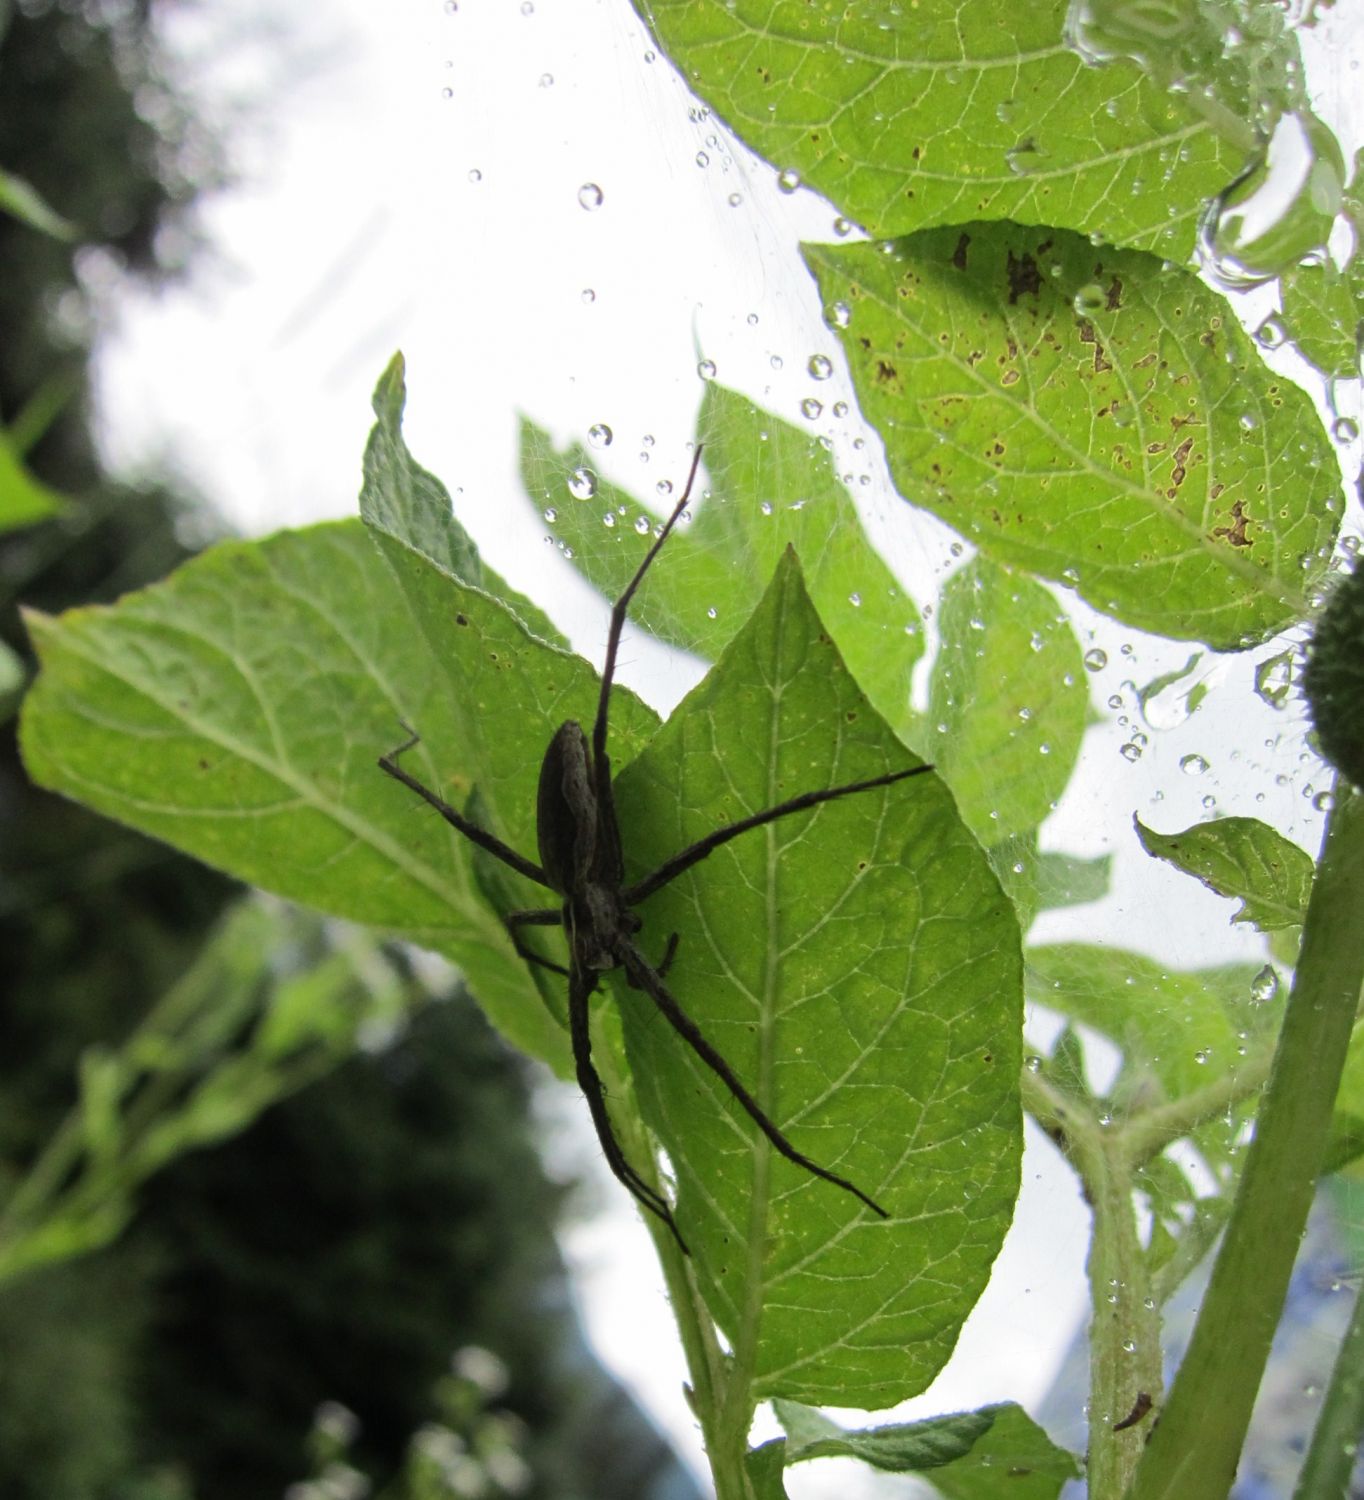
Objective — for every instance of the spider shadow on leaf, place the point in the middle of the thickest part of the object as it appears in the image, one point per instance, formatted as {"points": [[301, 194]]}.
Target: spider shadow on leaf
{"points": [[582, 863]]}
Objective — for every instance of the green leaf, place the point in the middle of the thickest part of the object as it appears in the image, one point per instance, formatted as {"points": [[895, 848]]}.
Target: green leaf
{"points": [[966, 1454], [1068, 880], [408, 504], [1241, 858], [1323, 304], [237, 711], [23, 499], [1008, 700], [1093, 417], [12, 676], [903, 1448], [770, 485], [858, 967], [764, 1465], [21, 200], [907, 117]]}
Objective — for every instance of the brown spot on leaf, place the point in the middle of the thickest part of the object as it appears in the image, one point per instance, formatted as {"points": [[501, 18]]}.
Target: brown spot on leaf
{"points": [[886, 372], [1010, 377], [460, 620], [1024, 276], [959, 254], [1235, 533], [1114, 299]]}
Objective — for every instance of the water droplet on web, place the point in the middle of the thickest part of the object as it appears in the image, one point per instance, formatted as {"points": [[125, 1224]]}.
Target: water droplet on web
{"points": [[588, 295], [1270, 333], [551, 515], [1193, 765], [600, 435], [475, 175], [1131, 752], [712, 613], [590, 196], [582, 484], [706, 369], [1201, 1056], [609, 519], [811, 409], [838, 315], [820, 367], [1095, 659], [855, 600], [642, 525], [842, 227], [1345, 430], [546, 80], [766, 507], [735, 199], [788, 181], [1265, 986]]}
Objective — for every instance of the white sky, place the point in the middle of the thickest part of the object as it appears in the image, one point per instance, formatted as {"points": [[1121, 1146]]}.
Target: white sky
{"points": [[410, 177]]}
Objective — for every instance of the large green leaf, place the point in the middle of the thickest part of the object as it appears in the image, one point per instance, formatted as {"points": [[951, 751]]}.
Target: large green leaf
{"points": [[946, 110], [237, 710], [859, 968], [770, 485], [1008, 701], [1094, 417]]}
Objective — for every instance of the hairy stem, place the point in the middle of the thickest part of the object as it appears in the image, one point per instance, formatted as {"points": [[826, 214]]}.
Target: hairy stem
{"points": [[1194, 1450]]}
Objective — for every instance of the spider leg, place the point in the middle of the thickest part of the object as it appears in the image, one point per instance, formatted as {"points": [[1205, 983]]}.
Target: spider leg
{"points": [[641, 976], [580, 987], [543, 917], [669, 953], [694, 853], [457, 820], [618, 611]]}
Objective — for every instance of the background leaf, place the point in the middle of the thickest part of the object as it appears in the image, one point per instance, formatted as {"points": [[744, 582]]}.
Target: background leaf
{"points": [[23, 499], [858, 967], [1094, 417], [1008, 700], [770, 485], [962, 1455], [1241, 858], [906, 117]]}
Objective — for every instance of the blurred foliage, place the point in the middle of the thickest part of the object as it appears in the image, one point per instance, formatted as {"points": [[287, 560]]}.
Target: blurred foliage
{"points": [[346, 1243]]}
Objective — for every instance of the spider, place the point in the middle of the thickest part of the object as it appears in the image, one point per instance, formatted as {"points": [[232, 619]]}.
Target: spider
{"points": [[582, 863]]}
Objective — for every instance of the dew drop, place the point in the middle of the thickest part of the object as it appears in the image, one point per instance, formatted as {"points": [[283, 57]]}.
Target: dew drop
{"points": [[609, 519], [590, 196], [820, 367], [838, 315], [588, 295], [706, 369], [582, 484], [1193, 765], [551, 515], [788, 181], [1090, 299], [1095, 659], [811, 409], [600, 435], [642, 525], [1265, 986]]}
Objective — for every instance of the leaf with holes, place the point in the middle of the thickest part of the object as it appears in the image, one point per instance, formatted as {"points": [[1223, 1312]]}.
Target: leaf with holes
{"points": [[859, 968], [1094, 417], [910, 116]]}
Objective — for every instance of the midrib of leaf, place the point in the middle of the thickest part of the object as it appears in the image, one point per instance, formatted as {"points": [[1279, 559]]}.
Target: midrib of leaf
{"points": [[1225, 557], [306, 793]]}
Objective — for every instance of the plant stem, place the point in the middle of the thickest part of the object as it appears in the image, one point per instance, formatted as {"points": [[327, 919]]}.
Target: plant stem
{"points": [[1335, 1444], [1194, 1450]]}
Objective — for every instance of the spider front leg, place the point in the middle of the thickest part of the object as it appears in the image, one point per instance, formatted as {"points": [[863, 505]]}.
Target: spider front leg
{"points": [[540, 917], [471, 831]]}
